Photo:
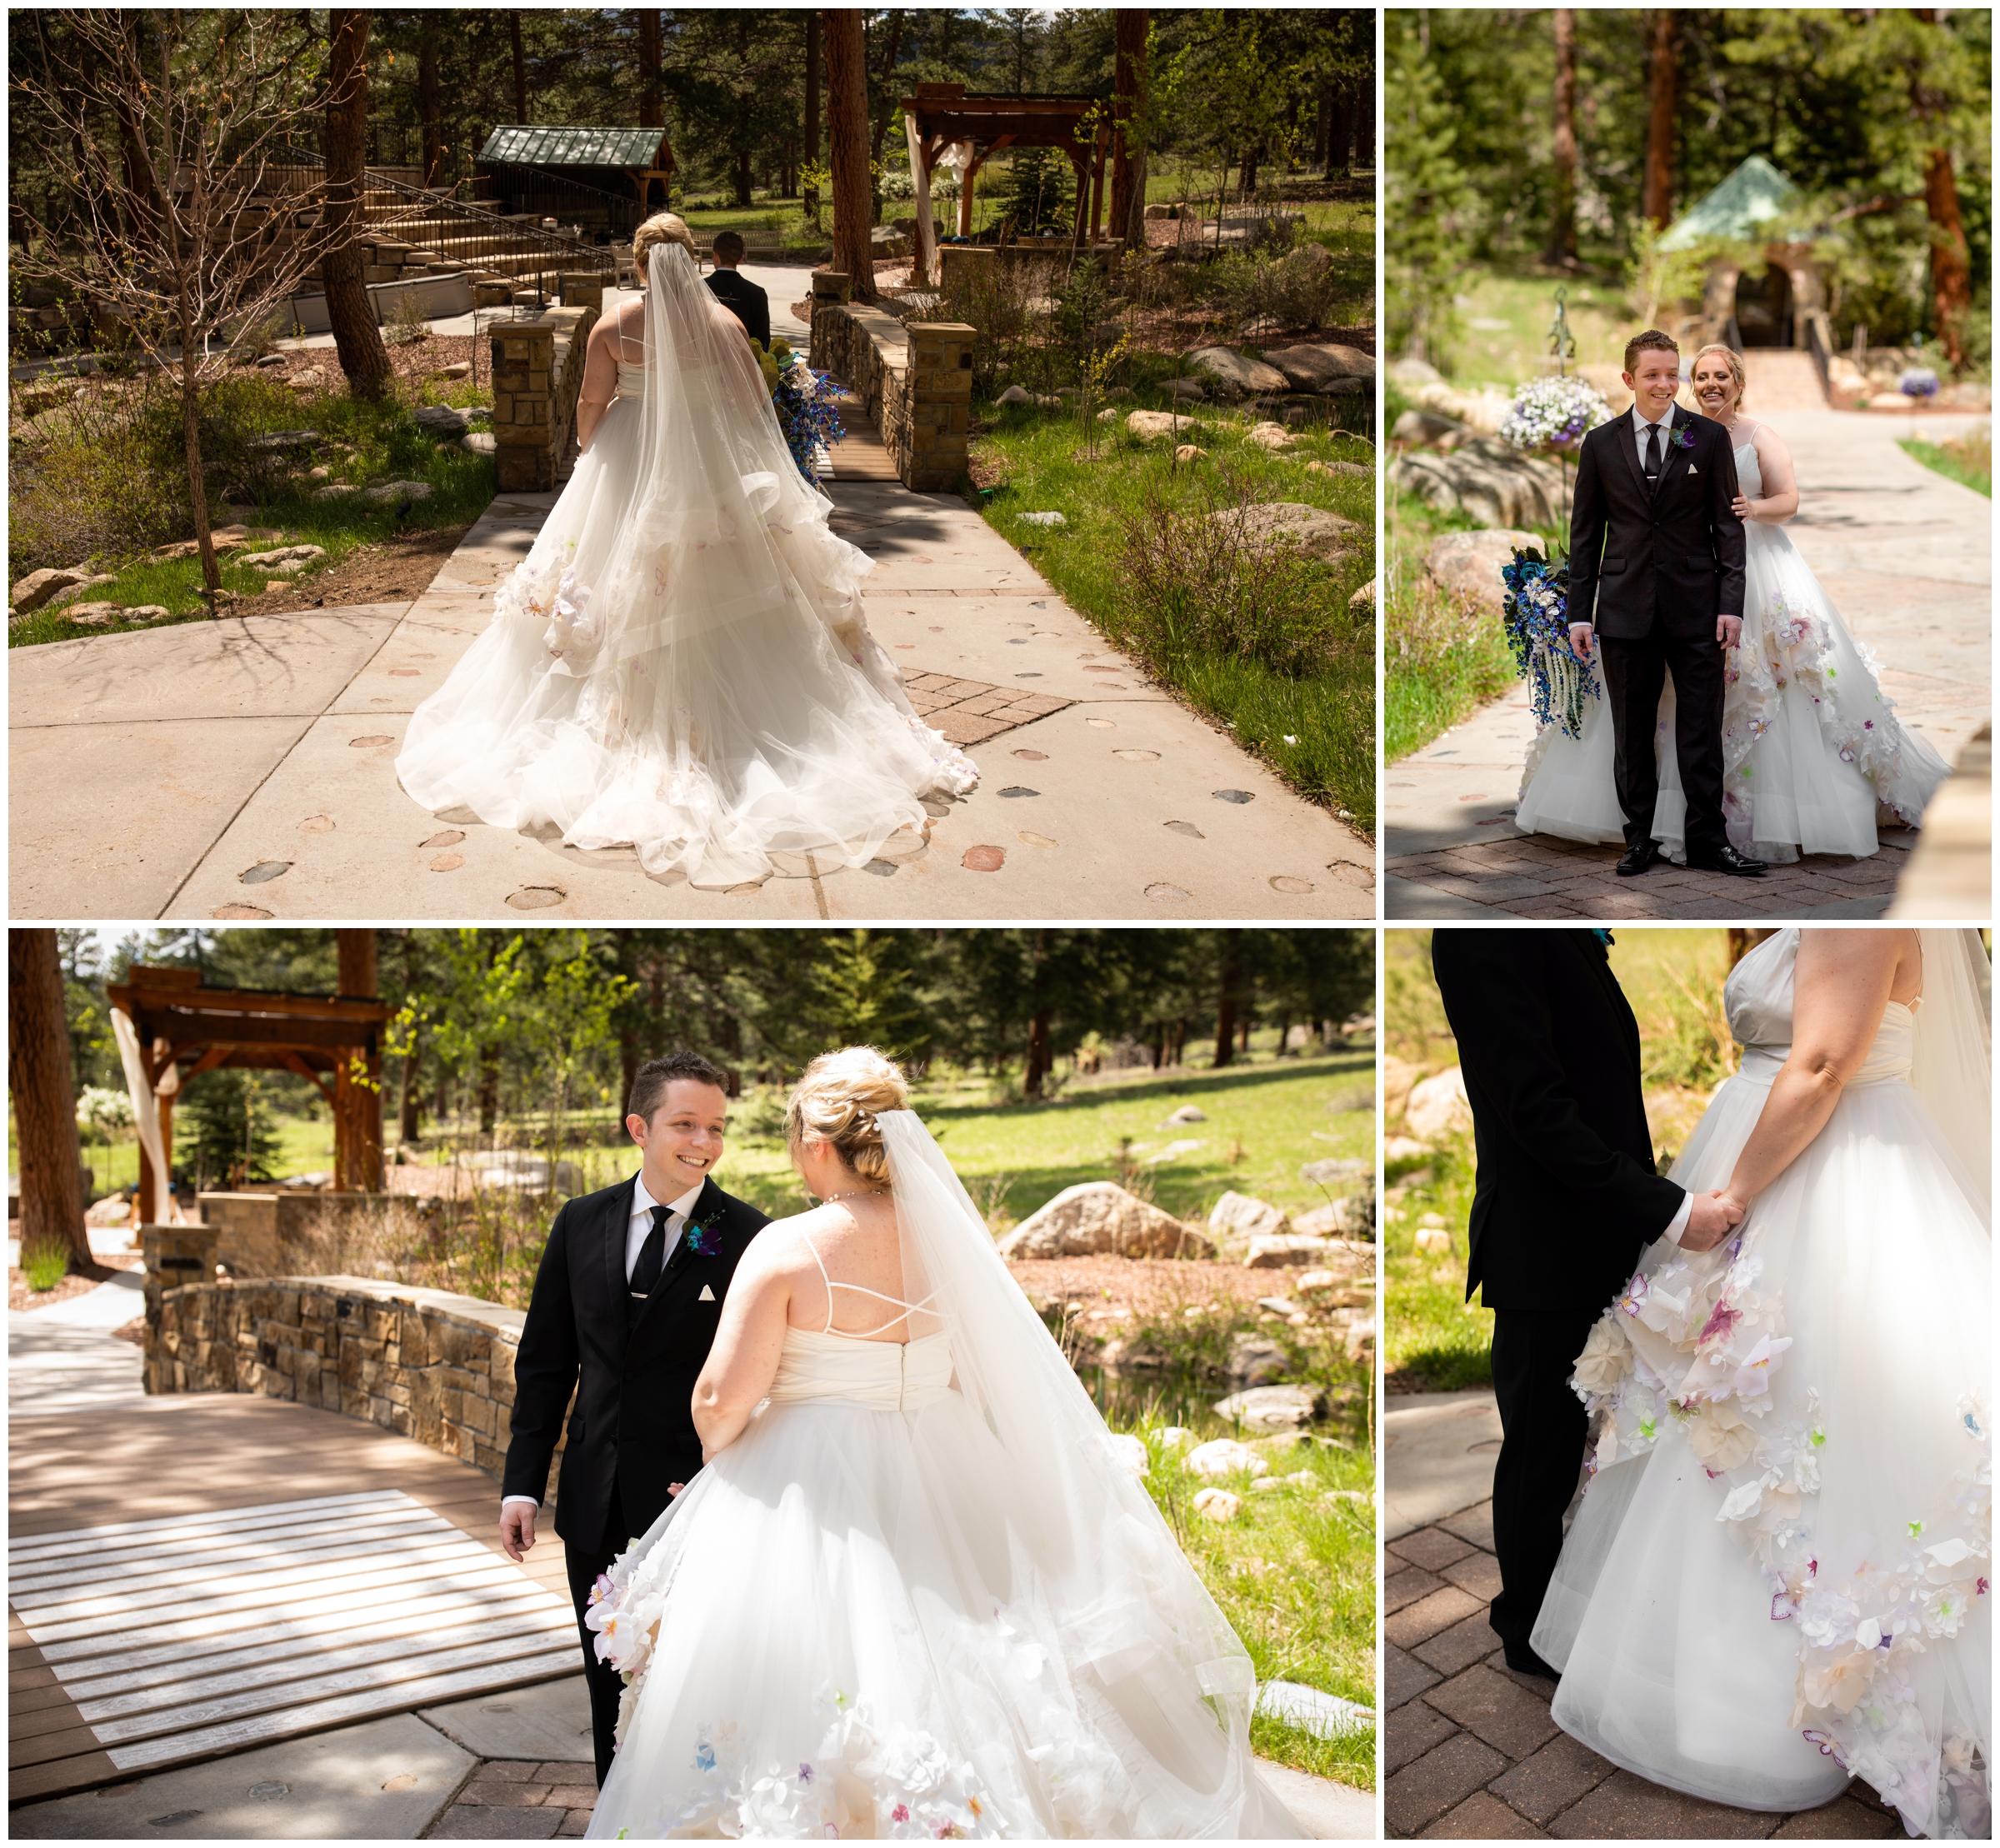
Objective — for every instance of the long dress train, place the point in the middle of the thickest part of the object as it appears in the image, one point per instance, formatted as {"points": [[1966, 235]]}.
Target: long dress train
{"points": [[1779, 1576], [681, 663], [1813, 755]]}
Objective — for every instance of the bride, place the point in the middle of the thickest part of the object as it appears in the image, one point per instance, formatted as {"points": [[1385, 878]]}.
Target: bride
{"points": [[680, 664], [1812, 753], [1779, 1576], [914, 1591]]}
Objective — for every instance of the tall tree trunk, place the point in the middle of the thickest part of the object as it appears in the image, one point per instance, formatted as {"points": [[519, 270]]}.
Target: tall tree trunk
{"points": [[1039, 1060], [1323, 127], [743, 173], [810, 198], [357, 339], [513, 35], [412, 1124], [45, 1099], [429, 107], [1228, 980], [1662, 91], [651, 116], [489, 1088], [1951, 261], [1563, 222], [1128, 142], [1364, 128], [889, 90], [847, 133]]}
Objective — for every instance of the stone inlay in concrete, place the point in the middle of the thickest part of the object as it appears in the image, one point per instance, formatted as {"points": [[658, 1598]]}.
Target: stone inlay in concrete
{"points": [[970, 711]]}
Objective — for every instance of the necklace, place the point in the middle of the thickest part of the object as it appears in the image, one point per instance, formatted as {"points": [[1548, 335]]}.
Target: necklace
{"points": [[856, 1193]]}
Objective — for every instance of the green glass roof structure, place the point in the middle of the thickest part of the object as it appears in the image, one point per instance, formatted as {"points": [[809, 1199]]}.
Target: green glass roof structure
{"points": [[1755, 193], [557, 146]]}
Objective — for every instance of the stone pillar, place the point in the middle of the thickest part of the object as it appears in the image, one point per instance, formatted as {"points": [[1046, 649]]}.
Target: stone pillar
{"points": [[176, 1255], [962, 267], [831, 287], [523, 365], [582, 289], [940, 404]]}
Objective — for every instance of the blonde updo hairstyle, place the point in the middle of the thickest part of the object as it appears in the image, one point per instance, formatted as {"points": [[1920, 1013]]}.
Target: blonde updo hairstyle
{"points": [[1730, 357], [663, 227], [838, 1101]]}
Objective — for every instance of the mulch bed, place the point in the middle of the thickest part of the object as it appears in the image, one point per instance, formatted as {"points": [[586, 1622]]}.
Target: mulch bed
{"points": [[413, 363], [1143, 1290], [397, 571], [77, 1283]]}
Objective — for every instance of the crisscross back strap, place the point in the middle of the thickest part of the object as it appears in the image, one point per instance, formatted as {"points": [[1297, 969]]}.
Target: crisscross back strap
{"points": [[861, 1290]]}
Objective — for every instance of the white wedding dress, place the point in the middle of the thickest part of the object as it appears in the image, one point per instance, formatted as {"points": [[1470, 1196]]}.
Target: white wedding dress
{"points": [[1812, 753], [1779, 1575], [680, 662], [924, 1596]]}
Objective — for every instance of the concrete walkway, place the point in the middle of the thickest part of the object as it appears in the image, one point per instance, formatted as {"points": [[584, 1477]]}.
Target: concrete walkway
{"points": [[1907, 556], [245, 769]]}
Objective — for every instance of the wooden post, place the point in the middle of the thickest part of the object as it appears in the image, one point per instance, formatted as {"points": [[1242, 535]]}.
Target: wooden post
{"points": [[1096, 186], [965, 197], [358, 1078], [164, 1100]]}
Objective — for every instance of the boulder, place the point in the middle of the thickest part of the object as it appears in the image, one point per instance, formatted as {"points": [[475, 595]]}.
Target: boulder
{"points": [[1315, 369], [1325, 536], [281, 440], [310, 380], [1353, 471], [1237, 1218], [1224, 1456], [1187, 453], [1497, 486], [35, 589], [1131, 1451], [1350, 1173], [1480, 411], [1416, 372], [1610, 381], [1343, 1260], [335, 491], [1363, 598], [1405, 1148], [1438, 1107], [1148, 425], [1187, 1113], [1269, 436], [1097, 1217], [147, 612], [1217, 1505], [1273, 1408], [94, 616], [1156, 212], [1254, 1362], [1015, 395], [518, 1171], [1421, 426], [1234, 376], [284, 558], [479, 443], [441, 420], [1050, 520], [1185, 388], [1434, 1241], [1285, 1250], [1467, 564], [63, 598], [399, 491], [1353, 1217]]}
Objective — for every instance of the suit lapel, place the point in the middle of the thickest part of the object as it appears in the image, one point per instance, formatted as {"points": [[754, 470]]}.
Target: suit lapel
{"points": [[1675, 454], [705, 1205], [617, 1221], [1614, 995]]}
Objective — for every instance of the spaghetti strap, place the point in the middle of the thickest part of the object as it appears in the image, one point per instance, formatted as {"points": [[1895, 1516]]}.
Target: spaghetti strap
{"points": [[829, 1329], [908, 1309]]}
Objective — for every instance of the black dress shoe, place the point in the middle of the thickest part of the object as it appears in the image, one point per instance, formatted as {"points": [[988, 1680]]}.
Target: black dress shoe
{"points": [[1524, 1660], [1727, 859], [1637, 859]]}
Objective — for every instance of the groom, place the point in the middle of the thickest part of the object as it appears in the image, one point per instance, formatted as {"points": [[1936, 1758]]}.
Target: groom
{"points": [[1564, 1200], [624, 1310], [1656, 582]]}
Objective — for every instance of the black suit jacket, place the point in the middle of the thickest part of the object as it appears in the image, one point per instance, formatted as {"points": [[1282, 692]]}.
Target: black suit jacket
{"points": [[633, 1375], [745, 300], [1566, 1197], [1676, 554]]}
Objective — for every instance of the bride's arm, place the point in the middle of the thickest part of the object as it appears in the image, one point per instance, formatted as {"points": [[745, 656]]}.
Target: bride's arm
{"points": [[744, 1361], [1780, 500], [600, 383], [1840, 989]]}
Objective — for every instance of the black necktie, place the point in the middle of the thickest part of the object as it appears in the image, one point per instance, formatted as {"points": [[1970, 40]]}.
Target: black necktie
{"points": [[1652, 455], [653, 1255]]}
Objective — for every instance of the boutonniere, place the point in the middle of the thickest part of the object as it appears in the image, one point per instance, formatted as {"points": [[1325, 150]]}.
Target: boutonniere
{"points": [[1683, 437], [703, 1240]]}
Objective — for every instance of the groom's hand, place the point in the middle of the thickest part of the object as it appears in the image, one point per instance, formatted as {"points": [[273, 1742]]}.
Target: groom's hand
{"points": [[1580, 639], [1729, 630], [1711, 1218], [517, 1529]]}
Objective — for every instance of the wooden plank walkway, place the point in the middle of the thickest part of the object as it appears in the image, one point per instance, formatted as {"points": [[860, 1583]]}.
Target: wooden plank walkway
{"points": [[215, 1572], [859, 456]]}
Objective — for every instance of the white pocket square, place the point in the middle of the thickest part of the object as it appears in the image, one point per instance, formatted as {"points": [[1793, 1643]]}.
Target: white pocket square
{"points": [[707, 1295], [1693, 470]]}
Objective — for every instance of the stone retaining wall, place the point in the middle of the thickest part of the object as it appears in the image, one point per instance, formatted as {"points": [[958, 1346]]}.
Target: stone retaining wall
{"points": [[535, 391], [434, 1366], [916, 381], [257, 1234]]}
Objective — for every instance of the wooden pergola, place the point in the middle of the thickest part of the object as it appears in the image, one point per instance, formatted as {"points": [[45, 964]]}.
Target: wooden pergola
{"points": [[186, 1028], [943, 113]]}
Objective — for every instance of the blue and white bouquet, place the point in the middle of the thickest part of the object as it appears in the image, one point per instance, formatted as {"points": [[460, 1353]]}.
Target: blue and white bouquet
{"points": [[1553, 413], [1535, 609], [806, 401], [1917, 381]]}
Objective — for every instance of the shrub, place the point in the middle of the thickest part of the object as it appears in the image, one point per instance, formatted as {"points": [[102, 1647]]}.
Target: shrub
{"points": [[1002, 300], [44, 1266], [79, 488], [408, 324], [1037, 197], [233, 1128], [1295, 287]]}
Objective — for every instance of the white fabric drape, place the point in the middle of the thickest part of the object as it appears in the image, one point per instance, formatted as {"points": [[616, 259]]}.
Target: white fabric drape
{"points": [[146, 1112], [1953, 1066]]}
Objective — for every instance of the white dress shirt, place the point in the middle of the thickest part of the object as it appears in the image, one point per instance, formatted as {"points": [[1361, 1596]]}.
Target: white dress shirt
{"points": [[1679, 1223], [1641, 427], [637, 1229]]}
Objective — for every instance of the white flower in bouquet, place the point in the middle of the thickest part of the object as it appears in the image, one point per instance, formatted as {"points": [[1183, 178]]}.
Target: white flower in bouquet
{"points": [[1553, 413]]}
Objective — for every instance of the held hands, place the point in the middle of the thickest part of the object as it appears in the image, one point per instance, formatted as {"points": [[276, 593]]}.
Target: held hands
{"points": [[517, 1529], [1711, 1218], [1581, 635], [1728, 631], [1743, 508]]}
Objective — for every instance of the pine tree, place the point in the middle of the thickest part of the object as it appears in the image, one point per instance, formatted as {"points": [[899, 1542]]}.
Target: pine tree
{"points": [[1425, 197]]}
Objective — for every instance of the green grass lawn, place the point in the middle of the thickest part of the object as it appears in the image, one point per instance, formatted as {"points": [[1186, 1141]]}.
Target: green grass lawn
{"points": [[1504, 322], [1442, 659], [1967, 460], [1044, 468], [386, 445]]}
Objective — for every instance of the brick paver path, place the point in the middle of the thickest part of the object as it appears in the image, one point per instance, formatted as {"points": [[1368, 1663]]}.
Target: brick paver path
{"points": [[1471, 1753], [513, 1799], [970, 711], [1538, 876]]}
